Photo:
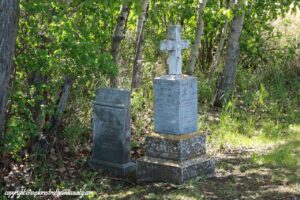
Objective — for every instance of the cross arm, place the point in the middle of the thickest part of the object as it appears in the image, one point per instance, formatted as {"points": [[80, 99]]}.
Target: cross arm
{"points": [[167, 45], [185, 44]]}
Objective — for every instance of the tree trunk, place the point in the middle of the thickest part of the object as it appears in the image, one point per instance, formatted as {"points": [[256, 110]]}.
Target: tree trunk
{"points": [[219, 51], [46, 141], [199, 32], [227, 78], [36, 79], [117, 39], [137, 65], [220, 48], [55, 126], [9, 18]]}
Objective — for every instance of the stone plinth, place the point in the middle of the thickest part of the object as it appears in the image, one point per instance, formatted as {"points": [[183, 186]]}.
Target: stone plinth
{"points": [[155, 169], [178, 148], [175, 104], [174, 159], [111, 132]]}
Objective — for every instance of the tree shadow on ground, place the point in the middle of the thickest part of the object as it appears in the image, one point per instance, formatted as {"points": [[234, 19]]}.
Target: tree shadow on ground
{"points": [[273, 175], [239, 175]]}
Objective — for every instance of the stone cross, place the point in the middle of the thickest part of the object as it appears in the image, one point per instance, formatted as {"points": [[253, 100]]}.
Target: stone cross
{"points": [[174, 45]]}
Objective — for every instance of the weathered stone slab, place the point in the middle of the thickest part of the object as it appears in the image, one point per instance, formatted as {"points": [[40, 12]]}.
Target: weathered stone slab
{"points": [[111, 131], [173, 147], [175, 104], [155, 169]]}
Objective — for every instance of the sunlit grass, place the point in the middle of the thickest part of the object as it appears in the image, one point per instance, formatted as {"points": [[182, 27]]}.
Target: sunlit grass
{"points": [[286, 154], [245, 134]]}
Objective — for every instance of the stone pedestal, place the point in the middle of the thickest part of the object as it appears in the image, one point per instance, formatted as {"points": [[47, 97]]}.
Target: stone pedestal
{"points": [[174, 159], [176, 152], [111, 132]]}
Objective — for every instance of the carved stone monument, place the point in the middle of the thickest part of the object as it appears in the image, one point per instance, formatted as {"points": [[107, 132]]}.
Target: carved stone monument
{"points": [[111, 132], [175, 152], [174, 45]]}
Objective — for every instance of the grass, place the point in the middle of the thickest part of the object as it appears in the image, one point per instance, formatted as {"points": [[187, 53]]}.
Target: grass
{"points": [[285, 155]]}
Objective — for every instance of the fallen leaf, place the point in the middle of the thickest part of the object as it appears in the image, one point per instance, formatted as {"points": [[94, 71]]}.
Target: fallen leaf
{"points": [[66, 149], [52, 157]]}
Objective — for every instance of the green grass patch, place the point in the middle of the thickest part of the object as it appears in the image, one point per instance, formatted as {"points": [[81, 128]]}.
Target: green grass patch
{"points": [[285, 155]]}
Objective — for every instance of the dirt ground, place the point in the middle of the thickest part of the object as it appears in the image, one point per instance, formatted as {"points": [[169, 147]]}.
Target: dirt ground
{"points": [[238, 176]]}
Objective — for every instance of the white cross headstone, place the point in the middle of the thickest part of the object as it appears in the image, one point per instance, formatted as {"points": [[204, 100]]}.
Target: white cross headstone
{"points": [[174, 45]]}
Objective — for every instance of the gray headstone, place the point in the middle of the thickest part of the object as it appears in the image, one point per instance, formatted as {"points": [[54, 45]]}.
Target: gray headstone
{"points": [[175, 104], [176, 152], [111, 131]]}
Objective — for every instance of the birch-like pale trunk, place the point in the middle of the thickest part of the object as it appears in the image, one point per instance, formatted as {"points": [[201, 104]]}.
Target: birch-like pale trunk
{"points": [[227, 78], [218, 54], [196, 45], [137, 65], [9, 19], [118, 36]]}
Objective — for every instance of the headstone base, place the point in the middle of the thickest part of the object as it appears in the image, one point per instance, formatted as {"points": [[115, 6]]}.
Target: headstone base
{"points": [[176, 147], [174, 158], [117, 169], [155, 169]]}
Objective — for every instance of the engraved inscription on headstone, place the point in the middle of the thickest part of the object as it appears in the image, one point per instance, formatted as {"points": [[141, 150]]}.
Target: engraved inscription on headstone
{"points": [[111, 131], [175, 104]]}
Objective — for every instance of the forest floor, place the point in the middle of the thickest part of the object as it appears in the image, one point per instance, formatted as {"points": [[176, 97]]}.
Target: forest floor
{"points": [[271, 171]]}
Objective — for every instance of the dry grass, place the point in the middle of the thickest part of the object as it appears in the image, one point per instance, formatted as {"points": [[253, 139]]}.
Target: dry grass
{"points": [[289, 27]]}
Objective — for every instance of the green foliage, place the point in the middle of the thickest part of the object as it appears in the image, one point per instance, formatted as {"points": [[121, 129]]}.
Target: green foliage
{"points": [[205, 92], [141, 112], [59, 39]]}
